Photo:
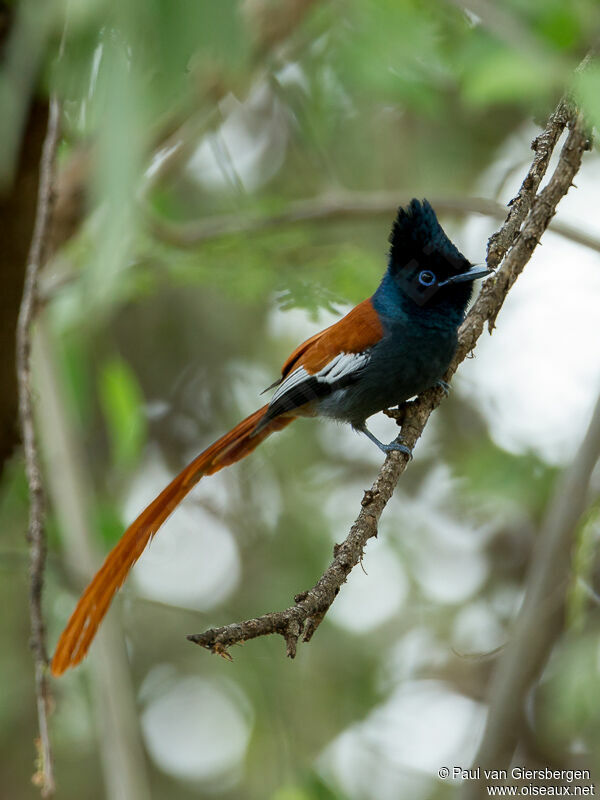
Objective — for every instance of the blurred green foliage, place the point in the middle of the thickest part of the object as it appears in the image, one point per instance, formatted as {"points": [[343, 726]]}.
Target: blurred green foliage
{"points": [[122, 405]]}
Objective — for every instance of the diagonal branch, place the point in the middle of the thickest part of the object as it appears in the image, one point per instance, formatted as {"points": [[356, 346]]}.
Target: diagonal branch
{"points": [[36, 534], [514, 244]]}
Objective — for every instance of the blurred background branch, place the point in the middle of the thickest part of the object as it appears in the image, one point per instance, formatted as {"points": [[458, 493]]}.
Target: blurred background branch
{"points": [[341, 206], [541, 618]]}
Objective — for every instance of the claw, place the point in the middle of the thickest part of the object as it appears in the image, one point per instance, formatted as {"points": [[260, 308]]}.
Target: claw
{"points": [[444, 386], [396, 445]]}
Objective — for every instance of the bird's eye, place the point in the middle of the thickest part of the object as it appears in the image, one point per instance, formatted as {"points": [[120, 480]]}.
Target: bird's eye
{"points": [[426, 278]]}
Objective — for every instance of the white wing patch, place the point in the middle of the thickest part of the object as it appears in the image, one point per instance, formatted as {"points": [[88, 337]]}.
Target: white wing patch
{"points": [[343, 364], [293, 379], [339, 367]]}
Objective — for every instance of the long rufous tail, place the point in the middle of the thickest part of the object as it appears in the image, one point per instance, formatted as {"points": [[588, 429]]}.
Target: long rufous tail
{"points": [[94, 602]]}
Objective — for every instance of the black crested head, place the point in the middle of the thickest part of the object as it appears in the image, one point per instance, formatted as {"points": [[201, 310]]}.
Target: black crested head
{"points": [[424, 263], [417, 238]]}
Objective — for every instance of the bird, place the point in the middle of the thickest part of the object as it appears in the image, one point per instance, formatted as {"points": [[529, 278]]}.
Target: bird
{"points": [[389, 348]]}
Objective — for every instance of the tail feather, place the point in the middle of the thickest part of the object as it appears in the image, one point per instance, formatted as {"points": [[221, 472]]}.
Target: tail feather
{"points": [[94, 602]]}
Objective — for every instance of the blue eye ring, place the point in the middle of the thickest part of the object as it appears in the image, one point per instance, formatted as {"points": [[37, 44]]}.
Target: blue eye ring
{"points": [[426, 278]]}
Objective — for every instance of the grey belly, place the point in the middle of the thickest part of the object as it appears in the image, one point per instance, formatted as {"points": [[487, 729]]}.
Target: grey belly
{"points": [[386, 381]]}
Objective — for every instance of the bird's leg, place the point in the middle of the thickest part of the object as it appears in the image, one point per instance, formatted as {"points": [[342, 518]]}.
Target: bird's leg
{"points": [[386, 448], [444, 386]]}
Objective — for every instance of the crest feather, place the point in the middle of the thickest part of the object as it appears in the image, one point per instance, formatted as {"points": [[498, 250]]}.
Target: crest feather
{"points": [[418, 237]]}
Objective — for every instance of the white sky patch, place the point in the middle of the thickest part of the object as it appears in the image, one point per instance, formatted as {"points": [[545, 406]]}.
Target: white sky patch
{"points": [[417, 649], [476, 630], [343, 443], [401, 745], [372, 595], [295, 324], [194, 730], [249, 146], [340, 502], [292, 74], [536, 379], [247, 382], [448, 575], [193, 561], [446, 554]]}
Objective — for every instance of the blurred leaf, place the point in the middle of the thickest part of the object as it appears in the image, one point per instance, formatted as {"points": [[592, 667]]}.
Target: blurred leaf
{"points": [[14, 493], [211, 34], [108, 522], [122, 405], [559, 24], [567, 713], [312, 788], [583, 568], [524, 480], [290, 793], [502, 75], [74, 350], [372, 59], [309, 269], [587, 89]]}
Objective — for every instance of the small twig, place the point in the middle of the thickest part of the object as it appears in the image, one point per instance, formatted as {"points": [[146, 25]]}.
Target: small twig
{"points": [[36, 533], [69, 493], [362, 205], [310, 607]]}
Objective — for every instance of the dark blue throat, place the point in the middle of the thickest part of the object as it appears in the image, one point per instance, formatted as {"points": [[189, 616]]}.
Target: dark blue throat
{"points": [[444, 311]]}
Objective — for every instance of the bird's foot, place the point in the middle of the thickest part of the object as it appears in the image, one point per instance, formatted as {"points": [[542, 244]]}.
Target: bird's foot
{"points": [[445, 387], [398, 447], [387, 448]]}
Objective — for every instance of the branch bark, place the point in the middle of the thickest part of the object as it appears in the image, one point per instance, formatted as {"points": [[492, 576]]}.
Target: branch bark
{"points": [[303, 618], [36, 533]]}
